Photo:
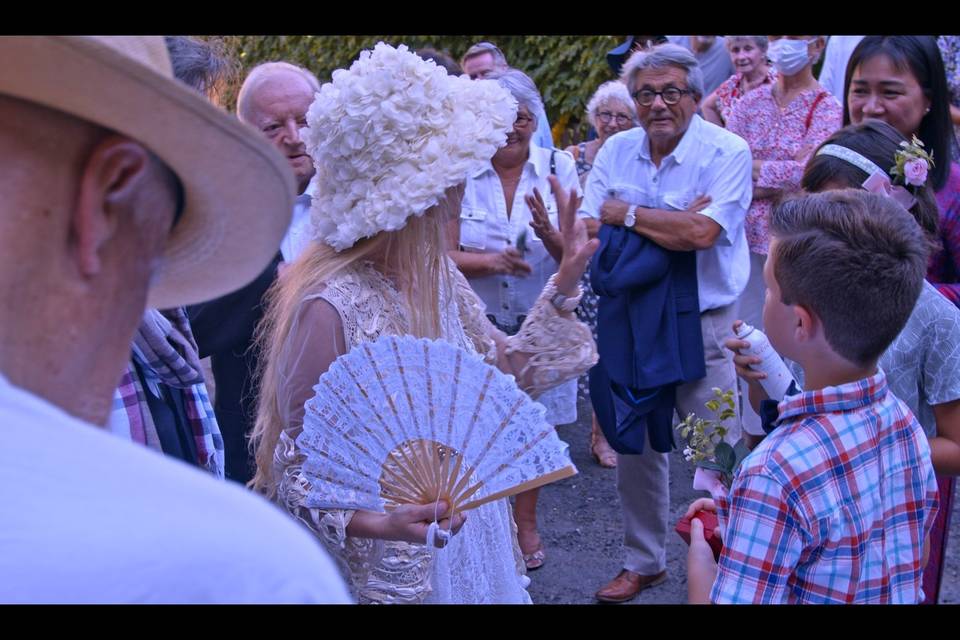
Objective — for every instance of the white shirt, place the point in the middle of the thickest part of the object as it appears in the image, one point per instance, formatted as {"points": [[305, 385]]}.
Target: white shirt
{"points": [[485, 228], [708, 160], [835, 58], [89, 518], [300, 232]]}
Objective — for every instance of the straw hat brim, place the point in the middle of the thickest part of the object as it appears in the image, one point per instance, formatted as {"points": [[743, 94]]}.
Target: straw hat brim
{"points": [[239, 191]]}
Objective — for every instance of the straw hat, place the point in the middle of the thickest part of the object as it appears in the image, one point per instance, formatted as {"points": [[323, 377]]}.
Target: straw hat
{"points": [[390, 135], [239, 191]]}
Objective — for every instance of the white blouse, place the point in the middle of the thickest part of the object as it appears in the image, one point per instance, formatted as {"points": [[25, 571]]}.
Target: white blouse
{"points": [[485, 228]]}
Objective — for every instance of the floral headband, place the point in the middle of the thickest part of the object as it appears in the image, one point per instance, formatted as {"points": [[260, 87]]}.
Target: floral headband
{"points": [[911, 165]]}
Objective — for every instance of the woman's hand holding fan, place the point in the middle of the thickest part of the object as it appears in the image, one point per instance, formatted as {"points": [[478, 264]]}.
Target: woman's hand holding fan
{"points": [[408, 523], [404, 428]]}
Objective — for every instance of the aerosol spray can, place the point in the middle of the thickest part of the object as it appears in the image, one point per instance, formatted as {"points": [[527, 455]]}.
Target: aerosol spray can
{"points": [[778, 375]]}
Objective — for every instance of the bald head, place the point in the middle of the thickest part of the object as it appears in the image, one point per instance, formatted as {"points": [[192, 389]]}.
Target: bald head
{"points": [[271, 71], [274, 99]]}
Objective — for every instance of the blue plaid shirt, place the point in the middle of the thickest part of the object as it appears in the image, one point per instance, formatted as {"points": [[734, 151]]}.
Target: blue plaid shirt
{"points": [[833, 506]]}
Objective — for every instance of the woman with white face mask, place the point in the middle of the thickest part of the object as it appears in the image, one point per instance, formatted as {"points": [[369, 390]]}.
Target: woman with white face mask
{"points": [[783, 122]]}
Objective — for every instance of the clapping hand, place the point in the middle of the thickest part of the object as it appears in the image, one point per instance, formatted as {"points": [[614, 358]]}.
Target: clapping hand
{"points": [[551, 237], [577, 247]]}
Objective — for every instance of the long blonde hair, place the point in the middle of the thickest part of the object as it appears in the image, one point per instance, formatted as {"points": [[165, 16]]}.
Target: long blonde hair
{"points": [[417, 253]]}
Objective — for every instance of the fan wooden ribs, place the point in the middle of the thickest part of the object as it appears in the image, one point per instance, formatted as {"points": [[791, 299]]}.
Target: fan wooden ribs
{"points": [[418, 472]]}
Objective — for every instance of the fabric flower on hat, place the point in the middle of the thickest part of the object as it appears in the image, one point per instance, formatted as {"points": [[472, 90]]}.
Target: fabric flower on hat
{"points": [[390, 135]]}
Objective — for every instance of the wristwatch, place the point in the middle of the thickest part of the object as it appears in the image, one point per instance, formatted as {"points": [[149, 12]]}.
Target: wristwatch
{"points": [[631, 218]]}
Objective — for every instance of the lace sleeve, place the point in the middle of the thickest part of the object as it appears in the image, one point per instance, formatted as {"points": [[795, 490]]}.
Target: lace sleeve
{"points": [[315, 340], [551, 347]]}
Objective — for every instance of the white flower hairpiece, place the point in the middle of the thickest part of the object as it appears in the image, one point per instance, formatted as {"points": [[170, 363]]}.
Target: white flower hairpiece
{"points": [[390, 135]]}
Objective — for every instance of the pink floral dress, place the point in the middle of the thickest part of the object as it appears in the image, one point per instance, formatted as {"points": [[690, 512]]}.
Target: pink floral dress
{"points": [[730, 92], [783, 139]]}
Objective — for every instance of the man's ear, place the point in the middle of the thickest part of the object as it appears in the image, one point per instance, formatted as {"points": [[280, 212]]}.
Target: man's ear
{"points": [[108, 190]]}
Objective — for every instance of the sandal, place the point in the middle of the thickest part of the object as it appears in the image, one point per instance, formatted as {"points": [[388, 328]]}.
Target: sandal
{"points": [[535, 560], [601, 450]]}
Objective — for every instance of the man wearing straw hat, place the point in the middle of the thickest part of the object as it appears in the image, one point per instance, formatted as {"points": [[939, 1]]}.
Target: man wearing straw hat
{"points": [[121, 188]]}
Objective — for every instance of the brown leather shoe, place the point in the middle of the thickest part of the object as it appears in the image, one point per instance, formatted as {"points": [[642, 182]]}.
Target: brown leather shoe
{"points": [[627, 585]]}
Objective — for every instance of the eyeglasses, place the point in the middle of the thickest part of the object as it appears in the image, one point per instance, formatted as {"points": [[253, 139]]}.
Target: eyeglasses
{"points": [[671, 95], [605, 117]]}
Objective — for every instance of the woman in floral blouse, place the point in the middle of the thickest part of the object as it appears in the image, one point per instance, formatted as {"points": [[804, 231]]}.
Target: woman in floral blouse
{"points": [[783, 123], [749, 57]]}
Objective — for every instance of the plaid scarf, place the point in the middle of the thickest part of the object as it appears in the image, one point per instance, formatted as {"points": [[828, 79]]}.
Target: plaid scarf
{"points": [[166, 353]]}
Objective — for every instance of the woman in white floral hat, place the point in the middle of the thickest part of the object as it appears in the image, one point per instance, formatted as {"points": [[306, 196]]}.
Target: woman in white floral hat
{"points": [[393, 139]]}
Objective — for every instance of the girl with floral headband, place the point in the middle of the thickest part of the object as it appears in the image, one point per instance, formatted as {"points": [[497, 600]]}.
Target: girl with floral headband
{"points": [[393, 140], [923, 362]]}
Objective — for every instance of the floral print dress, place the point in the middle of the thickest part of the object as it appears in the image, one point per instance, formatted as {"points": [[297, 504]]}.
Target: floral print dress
{"points": [[730, 92], [783, 138]]}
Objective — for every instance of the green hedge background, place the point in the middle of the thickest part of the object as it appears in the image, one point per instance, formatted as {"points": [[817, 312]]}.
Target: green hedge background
{"points": [[566, 69]]}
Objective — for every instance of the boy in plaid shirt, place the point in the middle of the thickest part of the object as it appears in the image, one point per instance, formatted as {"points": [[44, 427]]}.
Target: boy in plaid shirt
{"points": [[836, 504]]}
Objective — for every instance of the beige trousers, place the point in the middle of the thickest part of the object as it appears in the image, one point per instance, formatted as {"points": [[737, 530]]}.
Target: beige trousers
{"points": [[643, 480]]}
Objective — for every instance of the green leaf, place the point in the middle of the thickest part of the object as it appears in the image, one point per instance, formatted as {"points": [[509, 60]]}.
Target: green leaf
{"points": [[725, 457], [713, 405]]}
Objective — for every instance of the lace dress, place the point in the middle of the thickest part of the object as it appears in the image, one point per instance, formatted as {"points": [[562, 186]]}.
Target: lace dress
{"points": [[483, 563]]}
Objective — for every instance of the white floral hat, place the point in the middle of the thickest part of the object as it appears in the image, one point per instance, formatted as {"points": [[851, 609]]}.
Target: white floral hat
{"points": [[390, 135]]}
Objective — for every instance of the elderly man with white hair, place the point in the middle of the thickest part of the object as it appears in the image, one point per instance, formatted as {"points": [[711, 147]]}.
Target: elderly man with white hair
{"points": [[683, 184], [273, 99], [122, 187]]}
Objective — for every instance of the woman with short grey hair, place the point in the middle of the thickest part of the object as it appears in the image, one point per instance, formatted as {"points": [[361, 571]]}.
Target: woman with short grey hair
{"points": [[520, 87], [609, 111], [749, 57], [507, 245]]}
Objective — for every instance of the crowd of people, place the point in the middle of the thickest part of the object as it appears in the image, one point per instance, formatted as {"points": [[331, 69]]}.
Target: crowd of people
{"points": [[146, 228]]}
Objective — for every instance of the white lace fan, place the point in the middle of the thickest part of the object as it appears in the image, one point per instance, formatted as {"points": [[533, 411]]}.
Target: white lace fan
{"points": [[407, 420]]}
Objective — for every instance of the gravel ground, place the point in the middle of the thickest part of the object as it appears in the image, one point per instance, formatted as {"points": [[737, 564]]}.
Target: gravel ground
{"points": [[579, 520]]}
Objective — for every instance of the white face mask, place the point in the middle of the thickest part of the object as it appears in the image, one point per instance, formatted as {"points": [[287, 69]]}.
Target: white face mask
{"points": [[789, 56]]}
